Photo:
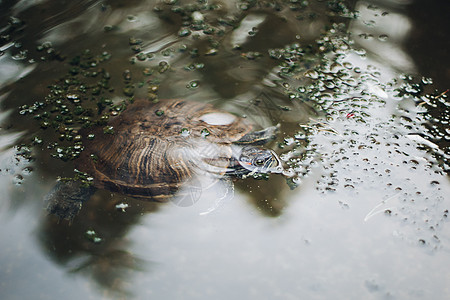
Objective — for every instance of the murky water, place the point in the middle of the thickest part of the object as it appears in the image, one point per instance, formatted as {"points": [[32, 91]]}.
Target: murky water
{"points": [[360, 211]]}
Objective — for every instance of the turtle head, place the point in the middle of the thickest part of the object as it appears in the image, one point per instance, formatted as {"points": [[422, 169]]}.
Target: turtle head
{"points": [[251, 159]]}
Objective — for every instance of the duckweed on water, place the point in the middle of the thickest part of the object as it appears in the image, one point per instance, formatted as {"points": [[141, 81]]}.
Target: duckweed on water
{"points": [[79, 99], [85, 179], [128, 91], [251, 55], [92, 236]]}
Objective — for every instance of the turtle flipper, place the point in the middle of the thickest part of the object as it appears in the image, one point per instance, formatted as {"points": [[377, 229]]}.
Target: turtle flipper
{"points": [[66, 198], [224, 194]]}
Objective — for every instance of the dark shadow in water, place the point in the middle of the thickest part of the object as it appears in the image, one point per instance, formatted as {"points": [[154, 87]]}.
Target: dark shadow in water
{"points": [[429, 45], [428, 41], [94, 243]]}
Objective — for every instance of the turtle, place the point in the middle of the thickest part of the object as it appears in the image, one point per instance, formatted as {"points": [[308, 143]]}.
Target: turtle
{"points": [[151, 150]]}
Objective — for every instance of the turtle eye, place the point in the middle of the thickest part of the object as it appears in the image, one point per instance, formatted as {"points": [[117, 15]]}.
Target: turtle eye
{"points": [[259, 162]]}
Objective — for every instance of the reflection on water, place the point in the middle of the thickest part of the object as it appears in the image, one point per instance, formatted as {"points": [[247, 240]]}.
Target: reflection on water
{"points": [[360, 211], [94, 244]]}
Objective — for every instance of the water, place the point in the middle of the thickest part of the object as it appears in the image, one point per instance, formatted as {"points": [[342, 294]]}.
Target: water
{"points": [[360, 211]]}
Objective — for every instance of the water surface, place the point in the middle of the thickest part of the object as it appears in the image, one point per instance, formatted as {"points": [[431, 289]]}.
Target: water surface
{"points": [[360, 212]]}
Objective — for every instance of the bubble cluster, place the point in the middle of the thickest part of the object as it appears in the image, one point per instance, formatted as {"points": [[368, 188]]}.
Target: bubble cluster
{"points": [[358, 144], [18, 166], [198, 19], [11, 39], [79, 99]]}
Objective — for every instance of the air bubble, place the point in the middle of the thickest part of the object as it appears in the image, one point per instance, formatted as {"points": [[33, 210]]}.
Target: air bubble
{"points": [[27, 171], [184, 32], [383, 37], [197, 16], [312, 74], [163, 66], [205, 132], [297, 180], [335, 67], [360, 52], [18, 179], [132, 18], [330, 85], [185, 132], [193, 84], [211, 51], [122, 207], [426, 80], [108, 130], [348, 65]]}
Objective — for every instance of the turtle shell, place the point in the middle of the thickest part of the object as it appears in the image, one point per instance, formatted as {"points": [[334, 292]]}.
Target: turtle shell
{"points": [[156, 147]]}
